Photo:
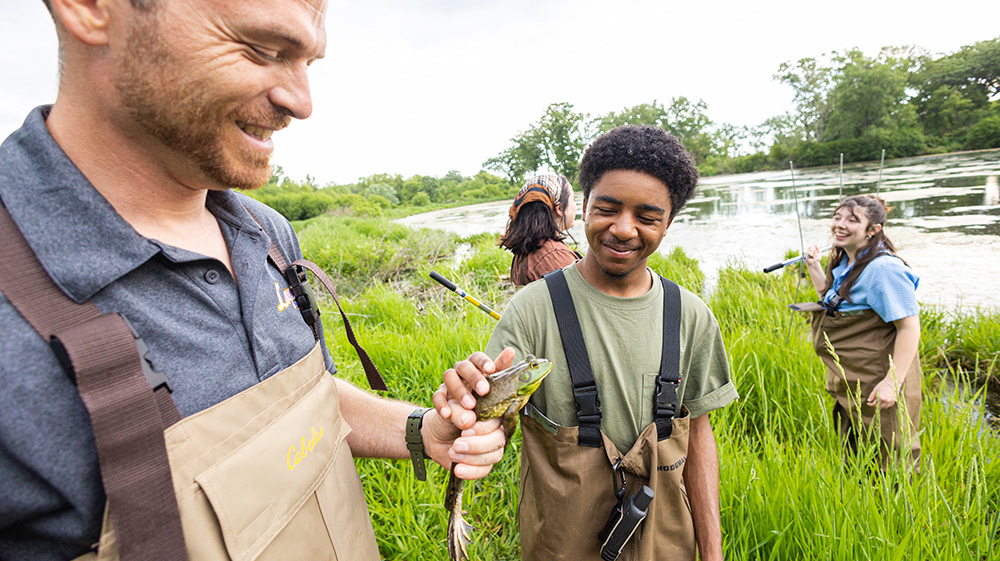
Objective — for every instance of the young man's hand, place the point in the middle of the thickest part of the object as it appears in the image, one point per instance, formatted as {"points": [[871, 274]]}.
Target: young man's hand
{"points": [[451, 431], [453, 400]]}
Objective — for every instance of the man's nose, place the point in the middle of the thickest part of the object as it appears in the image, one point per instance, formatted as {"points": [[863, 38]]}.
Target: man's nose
{"points": [[623, 227], [292, 92]]}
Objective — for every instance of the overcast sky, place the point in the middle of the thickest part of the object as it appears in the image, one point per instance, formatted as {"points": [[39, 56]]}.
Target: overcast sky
{"points": [[428, 86]]}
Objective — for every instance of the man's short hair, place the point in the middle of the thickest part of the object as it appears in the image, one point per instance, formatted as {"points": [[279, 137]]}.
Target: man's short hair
{"points": [[643, 148], [138, 4]]}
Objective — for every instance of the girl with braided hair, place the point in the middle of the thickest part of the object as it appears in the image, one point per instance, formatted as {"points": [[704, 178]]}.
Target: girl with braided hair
{"points": [[871, 317], [541, 211]]}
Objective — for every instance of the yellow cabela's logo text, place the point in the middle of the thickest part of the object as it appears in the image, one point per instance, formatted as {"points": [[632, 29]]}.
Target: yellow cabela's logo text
{"points": [[295, 456], [285, 298]]}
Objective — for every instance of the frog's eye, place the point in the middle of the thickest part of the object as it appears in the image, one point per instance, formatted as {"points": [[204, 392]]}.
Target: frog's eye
{"points": [[525, 376]]}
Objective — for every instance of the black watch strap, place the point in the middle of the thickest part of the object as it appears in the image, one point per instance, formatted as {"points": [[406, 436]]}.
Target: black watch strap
{"points": [[415, 442]]}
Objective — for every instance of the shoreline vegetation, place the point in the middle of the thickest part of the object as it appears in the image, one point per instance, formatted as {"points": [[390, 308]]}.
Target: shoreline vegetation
{"points": [[786, 491]]}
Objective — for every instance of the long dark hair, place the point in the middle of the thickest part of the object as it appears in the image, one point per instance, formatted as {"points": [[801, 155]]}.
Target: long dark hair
{"points": [[874, 210], [534, 224]]}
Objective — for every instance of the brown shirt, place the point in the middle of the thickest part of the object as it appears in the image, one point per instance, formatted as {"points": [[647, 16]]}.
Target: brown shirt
{"points": [[552, 255]]}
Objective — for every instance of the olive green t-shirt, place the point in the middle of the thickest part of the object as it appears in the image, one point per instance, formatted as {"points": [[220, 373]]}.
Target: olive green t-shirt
{"points": [[624, 338]]}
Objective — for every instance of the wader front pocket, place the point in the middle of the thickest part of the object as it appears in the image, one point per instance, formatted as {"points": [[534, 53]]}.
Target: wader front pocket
{"points": [[273, 496]]}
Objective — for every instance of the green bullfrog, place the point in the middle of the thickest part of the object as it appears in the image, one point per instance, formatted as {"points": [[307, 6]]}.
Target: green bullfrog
{"points": [[509, 391]]}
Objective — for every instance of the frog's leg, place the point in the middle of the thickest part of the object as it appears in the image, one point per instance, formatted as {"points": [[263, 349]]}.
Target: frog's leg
{"points": [[509, 422]]}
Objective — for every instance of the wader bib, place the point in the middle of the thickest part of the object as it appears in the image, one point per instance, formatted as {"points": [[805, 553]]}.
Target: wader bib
{"points": [[265, 475], [568, 482], [863, 342]]}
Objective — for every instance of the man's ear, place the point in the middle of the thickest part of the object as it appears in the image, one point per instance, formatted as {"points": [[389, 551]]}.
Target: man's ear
{"points": [[583, 210], [86, 20], [669, 222]]}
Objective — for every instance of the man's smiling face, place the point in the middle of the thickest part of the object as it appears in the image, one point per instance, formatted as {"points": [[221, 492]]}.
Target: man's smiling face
{"points": [[208, 82]]}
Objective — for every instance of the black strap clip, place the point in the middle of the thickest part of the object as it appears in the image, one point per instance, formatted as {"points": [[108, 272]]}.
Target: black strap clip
{"points": [[155, 379], [303, 293], [833, 304]]}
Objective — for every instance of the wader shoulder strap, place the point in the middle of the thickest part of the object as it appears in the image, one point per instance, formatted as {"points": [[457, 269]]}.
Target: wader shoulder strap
{"points": [[588, 405], [665, 397], [305, 299], [101, 353]]}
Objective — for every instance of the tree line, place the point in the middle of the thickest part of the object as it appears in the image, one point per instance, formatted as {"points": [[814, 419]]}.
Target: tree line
{"points": [[902, 100]]}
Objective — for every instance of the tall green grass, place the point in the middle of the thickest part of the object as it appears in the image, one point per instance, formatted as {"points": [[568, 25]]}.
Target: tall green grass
{"points": [[786, 491]]}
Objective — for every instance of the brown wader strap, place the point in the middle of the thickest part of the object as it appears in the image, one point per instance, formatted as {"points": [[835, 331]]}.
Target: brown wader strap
{"points": [[305, 299], [102, 354]]}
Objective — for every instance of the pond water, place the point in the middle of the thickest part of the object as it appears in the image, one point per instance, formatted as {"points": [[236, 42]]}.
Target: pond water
{"points": [[944, 220]]}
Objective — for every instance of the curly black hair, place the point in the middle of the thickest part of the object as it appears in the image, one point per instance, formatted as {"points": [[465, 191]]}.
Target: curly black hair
{"points": [[646, 149]]}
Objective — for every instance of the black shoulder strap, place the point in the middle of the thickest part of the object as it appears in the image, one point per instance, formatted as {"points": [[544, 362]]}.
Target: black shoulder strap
{"points": [[588, 405], [665, 397], [103, 356], [305, 299]]}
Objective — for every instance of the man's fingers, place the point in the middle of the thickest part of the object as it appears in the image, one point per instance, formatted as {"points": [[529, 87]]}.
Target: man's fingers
{"points": [[482, 445], [440, 401]]}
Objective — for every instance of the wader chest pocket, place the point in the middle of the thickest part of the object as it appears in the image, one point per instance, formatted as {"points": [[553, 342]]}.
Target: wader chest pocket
{"points": [[268, 494]]}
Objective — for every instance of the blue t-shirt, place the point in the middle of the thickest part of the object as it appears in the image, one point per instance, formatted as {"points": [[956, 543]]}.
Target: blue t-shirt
{"points": [[212, 337], [887, 285]]}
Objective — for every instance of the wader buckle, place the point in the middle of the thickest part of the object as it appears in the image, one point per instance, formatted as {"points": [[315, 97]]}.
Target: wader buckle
{"points": [[666, 399], [155, 379], [833, 304], [303, 293]]}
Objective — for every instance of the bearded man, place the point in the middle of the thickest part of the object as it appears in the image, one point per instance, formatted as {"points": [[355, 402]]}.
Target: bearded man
{"points": [[128, 257]]}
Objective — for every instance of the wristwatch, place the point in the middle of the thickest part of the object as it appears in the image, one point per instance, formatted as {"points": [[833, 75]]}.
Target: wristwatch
{"points": [[415, 442]]}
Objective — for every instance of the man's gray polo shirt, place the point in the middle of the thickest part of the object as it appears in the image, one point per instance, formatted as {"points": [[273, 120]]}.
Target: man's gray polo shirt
{"points": [[212, 337]]}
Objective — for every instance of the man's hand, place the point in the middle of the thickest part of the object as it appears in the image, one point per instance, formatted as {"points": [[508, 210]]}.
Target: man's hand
{"points": [[473, 451], [453, 400]]}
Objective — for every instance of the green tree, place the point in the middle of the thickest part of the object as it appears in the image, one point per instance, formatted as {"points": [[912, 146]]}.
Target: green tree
{"points": [[555, 141], [870, 94], [384, 190], [813, 80], [984, 134], [954, 92], [686, 120]]}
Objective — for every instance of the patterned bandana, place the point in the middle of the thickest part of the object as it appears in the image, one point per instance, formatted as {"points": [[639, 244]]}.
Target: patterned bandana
{"points": [[544, 188]]}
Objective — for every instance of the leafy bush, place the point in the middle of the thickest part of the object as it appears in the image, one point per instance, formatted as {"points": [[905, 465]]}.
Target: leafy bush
{"points": [[984, 134], [420, 199]]}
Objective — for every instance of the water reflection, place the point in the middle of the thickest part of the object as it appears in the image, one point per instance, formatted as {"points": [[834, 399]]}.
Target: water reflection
{"points": [[956, 192]]}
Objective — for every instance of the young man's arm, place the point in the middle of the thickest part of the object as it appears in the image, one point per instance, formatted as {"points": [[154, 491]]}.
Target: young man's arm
{"points": [[379, 431], [701, 477]]}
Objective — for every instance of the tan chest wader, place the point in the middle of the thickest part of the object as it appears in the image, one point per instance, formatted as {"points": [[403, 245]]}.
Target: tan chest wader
{"points": [[266, 474], [863, 344], [569, 484]]}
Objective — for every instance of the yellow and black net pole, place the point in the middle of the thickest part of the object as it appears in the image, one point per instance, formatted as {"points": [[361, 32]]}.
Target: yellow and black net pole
{"points": [[451, 286]]}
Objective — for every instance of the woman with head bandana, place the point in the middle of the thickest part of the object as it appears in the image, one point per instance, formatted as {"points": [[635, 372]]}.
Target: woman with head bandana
{"points": [[541, 211]]}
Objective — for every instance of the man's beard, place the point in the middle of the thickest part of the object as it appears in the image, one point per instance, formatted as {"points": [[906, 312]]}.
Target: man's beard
{"points": [[185, 117]]}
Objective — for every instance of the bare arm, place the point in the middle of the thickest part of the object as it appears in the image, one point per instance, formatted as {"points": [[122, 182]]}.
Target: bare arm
{"points": [[379, 431], [701, 477], [904, 352], [815, 268]]}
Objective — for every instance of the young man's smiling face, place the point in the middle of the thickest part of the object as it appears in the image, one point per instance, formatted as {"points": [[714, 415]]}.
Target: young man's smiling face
{"points": [[626, 216]]}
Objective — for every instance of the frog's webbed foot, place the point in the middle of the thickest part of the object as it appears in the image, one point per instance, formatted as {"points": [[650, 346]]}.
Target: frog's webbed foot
{"points": [[459, 531], [459, 536]]}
